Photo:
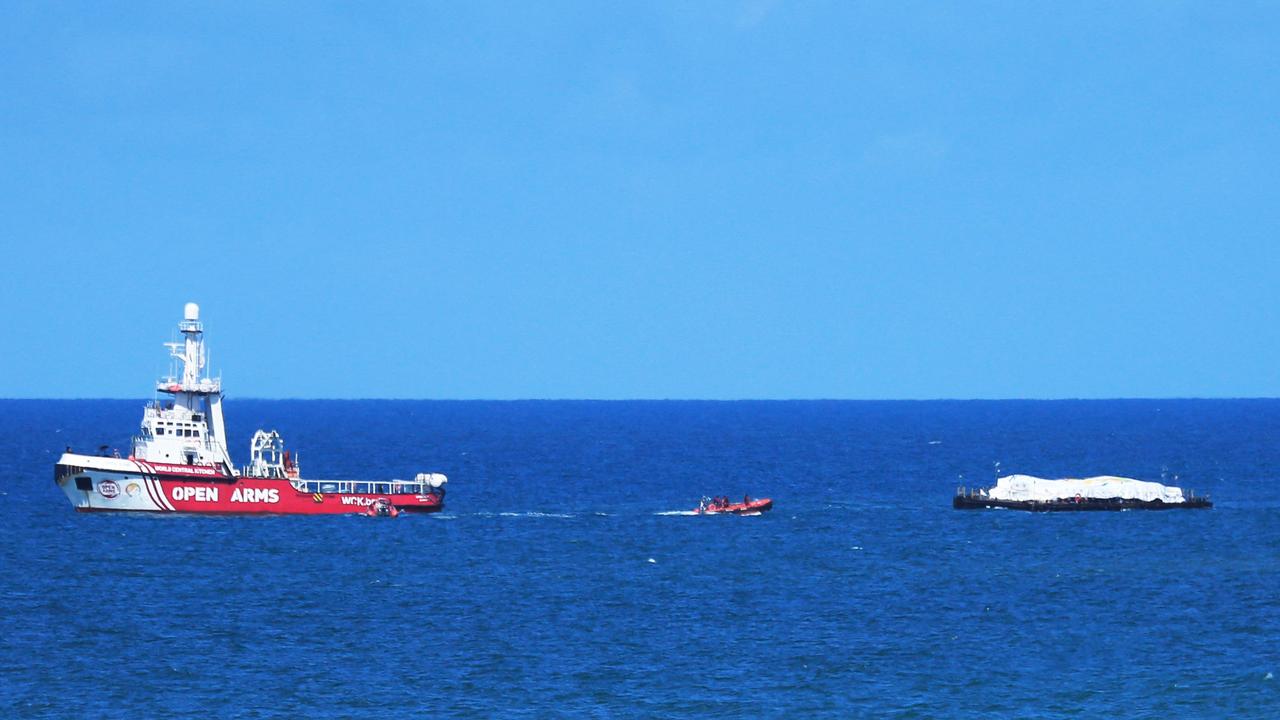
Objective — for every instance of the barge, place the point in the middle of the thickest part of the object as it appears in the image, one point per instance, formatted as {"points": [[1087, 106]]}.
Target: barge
{"points": [[1107, 492]]}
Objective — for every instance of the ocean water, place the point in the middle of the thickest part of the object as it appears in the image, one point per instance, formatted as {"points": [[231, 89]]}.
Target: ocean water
{"points": [[558, 583]]}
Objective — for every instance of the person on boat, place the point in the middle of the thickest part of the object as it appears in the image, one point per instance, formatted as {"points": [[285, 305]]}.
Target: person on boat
{"points": [[746, 499]]}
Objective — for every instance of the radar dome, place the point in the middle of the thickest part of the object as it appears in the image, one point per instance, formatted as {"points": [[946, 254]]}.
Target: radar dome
{"points": [[191, 312], [435, 480]]}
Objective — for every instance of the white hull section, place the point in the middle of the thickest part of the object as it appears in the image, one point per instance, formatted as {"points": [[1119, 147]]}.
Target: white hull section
{"points": [[112, 489]]}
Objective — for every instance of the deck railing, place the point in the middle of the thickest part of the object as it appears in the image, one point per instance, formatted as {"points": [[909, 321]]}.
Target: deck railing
{"points": [[363, 487]]}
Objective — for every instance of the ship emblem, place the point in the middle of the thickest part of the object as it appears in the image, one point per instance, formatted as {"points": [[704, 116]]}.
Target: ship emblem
{"points": [[108, 489], [132, 489]]}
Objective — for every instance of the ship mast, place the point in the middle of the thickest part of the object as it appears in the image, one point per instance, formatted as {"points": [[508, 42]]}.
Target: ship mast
{"points": [[194, 391], [191, 352]]}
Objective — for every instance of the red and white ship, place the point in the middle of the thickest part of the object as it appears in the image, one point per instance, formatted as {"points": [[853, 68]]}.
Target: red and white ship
{"points": [[179, 461]]}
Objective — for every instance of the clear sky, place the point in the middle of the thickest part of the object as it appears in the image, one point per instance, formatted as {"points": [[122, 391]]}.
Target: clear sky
{"points": [[631, 200]]}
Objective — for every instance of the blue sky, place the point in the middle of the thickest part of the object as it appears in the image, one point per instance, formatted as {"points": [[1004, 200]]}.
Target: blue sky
{"points": [[609, 200]]}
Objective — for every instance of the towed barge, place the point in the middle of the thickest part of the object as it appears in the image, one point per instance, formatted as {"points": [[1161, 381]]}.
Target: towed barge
{"points": [[1107, 492]]}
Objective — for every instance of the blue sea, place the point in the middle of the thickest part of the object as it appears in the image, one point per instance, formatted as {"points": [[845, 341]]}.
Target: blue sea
{"points": [[559, 583]]}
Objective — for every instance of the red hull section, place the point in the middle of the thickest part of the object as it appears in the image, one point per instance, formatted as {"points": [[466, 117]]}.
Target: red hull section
{"points": [[208, 489]]}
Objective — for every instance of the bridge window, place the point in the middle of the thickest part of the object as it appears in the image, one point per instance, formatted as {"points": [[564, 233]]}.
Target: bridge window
{"points": [[159, 430]]}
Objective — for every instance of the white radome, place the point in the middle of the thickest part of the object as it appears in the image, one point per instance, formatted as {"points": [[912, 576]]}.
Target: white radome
{"points": [[191, 312], [435, 480]]}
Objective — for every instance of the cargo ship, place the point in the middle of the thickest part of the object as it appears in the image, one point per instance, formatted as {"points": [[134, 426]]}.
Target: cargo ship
{"points": [[179, 463], [1106, 492]]}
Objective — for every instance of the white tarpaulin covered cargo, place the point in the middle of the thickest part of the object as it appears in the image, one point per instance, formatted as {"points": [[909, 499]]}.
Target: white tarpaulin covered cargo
{"points": [[1028, 487]]}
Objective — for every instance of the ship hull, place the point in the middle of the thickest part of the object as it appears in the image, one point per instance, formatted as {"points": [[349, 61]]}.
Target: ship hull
{"points": [[95, 484]]}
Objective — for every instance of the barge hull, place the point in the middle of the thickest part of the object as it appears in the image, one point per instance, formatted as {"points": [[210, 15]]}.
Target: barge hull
{"points": [[969, 502]]}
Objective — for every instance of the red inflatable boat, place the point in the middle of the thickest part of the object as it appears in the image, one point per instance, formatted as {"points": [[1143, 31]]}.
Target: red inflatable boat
{"points": [[382, 507], [721, 506]]}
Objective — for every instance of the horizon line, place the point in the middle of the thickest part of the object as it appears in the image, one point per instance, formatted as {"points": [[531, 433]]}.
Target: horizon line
{"points": [[679, 399]]}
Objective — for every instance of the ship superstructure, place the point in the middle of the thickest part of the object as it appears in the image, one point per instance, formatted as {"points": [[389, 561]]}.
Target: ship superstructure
{"points": [[187, 428], [179, 461]]}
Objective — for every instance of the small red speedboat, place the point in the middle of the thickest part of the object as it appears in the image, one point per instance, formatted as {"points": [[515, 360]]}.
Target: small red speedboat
{"points": [[722, 506], [382, 507]]}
